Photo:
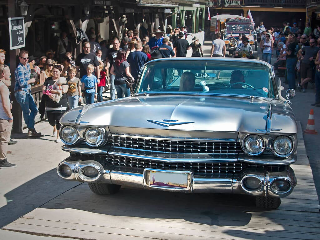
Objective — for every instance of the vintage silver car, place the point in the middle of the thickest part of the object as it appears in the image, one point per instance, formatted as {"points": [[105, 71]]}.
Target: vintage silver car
{"points": [[193, 125]]}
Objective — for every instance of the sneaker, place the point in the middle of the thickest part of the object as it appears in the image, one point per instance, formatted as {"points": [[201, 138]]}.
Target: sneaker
{"points": [[58, 140], [33, 133], [12, 142], [5, 163]]}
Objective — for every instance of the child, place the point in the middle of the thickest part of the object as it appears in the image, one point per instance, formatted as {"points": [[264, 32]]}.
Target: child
{"points": [[90, 83], [74, 88], [55, 91]]}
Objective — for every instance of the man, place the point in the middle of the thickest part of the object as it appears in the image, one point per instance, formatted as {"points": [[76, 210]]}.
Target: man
{"points": [[86, 58], [63, 46], [309, 53], [6, 117], [244, 48], [316, 32], [112, 54], [156, 41], [187, 82], [294, 28], [137, 59], [218, 48], [6, 81], [307, 31], [94, 46], [181, 46], [165, 50], [237, 78], [22, 93], [291, 61]]}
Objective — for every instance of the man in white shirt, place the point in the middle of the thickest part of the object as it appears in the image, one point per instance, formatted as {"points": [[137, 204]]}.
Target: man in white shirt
{"points": [[218, 47]]}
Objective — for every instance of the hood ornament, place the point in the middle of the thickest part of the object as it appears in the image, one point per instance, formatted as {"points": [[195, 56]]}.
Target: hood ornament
{"points": [[168, 123]]}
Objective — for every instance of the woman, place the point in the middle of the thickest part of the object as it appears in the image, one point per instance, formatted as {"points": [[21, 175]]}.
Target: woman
{"points": [[146, 50], [42, 63], [54, 109], [49, 67], [266, 46], [196, 48], [123, 77]]}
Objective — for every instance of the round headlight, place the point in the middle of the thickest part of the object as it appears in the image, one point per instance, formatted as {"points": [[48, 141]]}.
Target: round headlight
{"points": [[69, 135], [94, 136], [253, 145], [282, 146]]}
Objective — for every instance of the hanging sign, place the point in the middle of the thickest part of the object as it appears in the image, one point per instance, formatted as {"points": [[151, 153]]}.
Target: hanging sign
{"points": [[17, 33]]}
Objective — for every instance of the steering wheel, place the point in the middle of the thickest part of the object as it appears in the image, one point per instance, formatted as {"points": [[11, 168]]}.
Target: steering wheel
{"points": [[247, 85]]}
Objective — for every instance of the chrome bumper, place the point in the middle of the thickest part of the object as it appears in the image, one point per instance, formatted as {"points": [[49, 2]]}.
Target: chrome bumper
{"points": [[74, 170]]}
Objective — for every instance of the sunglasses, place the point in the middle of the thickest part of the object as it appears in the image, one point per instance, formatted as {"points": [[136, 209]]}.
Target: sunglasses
{"points": [[24, 58], [303, 38]]}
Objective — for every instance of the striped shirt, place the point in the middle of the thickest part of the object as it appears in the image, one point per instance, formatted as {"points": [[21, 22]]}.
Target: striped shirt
{"points": [[22, 76]]}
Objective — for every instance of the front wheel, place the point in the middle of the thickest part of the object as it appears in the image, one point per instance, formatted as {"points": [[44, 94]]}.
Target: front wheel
{"points": [[268, 203], [104, 188]]}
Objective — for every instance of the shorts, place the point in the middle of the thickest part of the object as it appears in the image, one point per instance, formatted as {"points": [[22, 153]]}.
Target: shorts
{"points": [[54, 118], [306, 70]]}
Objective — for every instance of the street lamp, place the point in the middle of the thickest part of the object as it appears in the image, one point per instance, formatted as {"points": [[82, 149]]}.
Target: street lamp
{"points": [[24, 8]]}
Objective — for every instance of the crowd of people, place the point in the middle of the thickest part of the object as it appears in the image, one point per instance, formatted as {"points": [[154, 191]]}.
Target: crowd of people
{"points": [[67, 82], [297, 52]]}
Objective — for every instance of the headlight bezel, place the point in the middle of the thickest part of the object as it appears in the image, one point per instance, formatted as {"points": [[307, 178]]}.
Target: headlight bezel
{"points": [[292, 146], [244, 148], [100, 142], [74, 141], [269, 139]]}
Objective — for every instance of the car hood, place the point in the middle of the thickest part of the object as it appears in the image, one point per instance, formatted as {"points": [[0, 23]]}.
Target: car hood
{"points": [[188, 113]]}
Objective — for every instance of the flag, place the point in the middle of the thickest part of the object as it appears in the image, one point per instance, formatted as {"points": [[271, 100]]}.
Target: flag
{"points": [[250, 16], [209, 16]]}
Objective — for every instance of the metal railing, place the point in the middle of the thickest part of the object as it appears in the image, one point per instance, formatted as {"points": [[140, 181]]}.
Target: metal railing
{"points": [[278, 3]]}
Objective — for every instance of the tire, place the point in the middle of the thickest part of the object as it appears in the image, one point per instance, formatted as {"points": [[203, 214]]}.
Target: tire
{"points": [[268, 203], [104, 188]]}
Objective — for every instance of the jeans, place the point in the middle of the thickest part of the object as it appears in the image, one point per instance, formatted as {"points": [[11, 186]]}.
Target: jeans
{"points": [[28, 106], [99, 97], [112, 87], [89, 98], [291, 72], [317, 81], [266, 57], [122, 89], [73, 101]]}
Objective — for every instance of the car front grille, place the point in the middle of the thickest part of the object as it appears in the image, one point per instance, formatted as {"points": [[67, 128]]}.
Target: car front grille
{"points": [[204, 169], [174, 147]]}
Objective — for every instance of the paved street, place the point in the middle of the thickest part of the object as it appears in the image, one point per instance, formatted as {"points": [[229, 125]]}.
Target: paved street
{"points": [[35, 203]]}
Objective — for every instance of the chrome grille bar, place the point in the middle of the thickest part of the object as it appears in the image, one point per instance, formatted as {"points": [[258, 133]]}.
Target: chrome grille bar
{"points": [[175, 145]]}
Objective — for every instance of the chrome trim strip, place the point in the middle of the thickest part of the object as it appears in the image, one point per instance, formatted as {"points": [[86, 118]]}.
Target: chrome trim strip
{"points": [[172, 159], [173, 153], [93, 151], [174, 138]]}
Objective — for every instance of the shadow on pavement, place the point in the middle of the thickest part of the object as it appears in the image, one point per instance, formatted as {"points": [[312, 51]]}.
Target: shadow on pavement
{"points": [[33, 194]]}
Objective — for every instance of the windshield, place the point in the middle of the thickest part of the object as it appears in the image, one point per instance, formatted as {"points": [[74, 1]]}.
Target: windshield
{"points": [[206, 77]]}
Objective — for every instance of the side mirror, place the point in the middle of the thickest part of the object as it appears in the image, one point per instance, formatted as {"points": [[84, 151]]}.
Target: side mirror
{"points": [[290, 93]]}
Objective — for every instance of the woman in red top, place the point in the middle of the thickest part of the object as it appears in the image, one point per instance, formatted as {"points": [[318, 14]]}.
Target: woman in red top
{"points": [[146, 50]]}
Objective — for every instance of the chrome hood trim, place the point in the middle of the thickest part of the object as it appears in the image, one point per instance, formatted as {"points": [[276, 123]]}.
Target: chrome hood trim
{"points": [[189, 113]]}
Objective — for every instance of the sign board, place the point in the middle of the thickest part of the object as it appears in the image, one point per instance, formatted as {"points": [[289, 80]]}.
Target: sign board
{"points": [[102, 3], [17, 33]]}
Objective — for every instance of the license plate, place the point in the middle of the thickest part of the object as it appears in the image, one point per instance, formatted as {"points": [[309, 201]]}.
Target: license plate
{"points": [[174, 180]]}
